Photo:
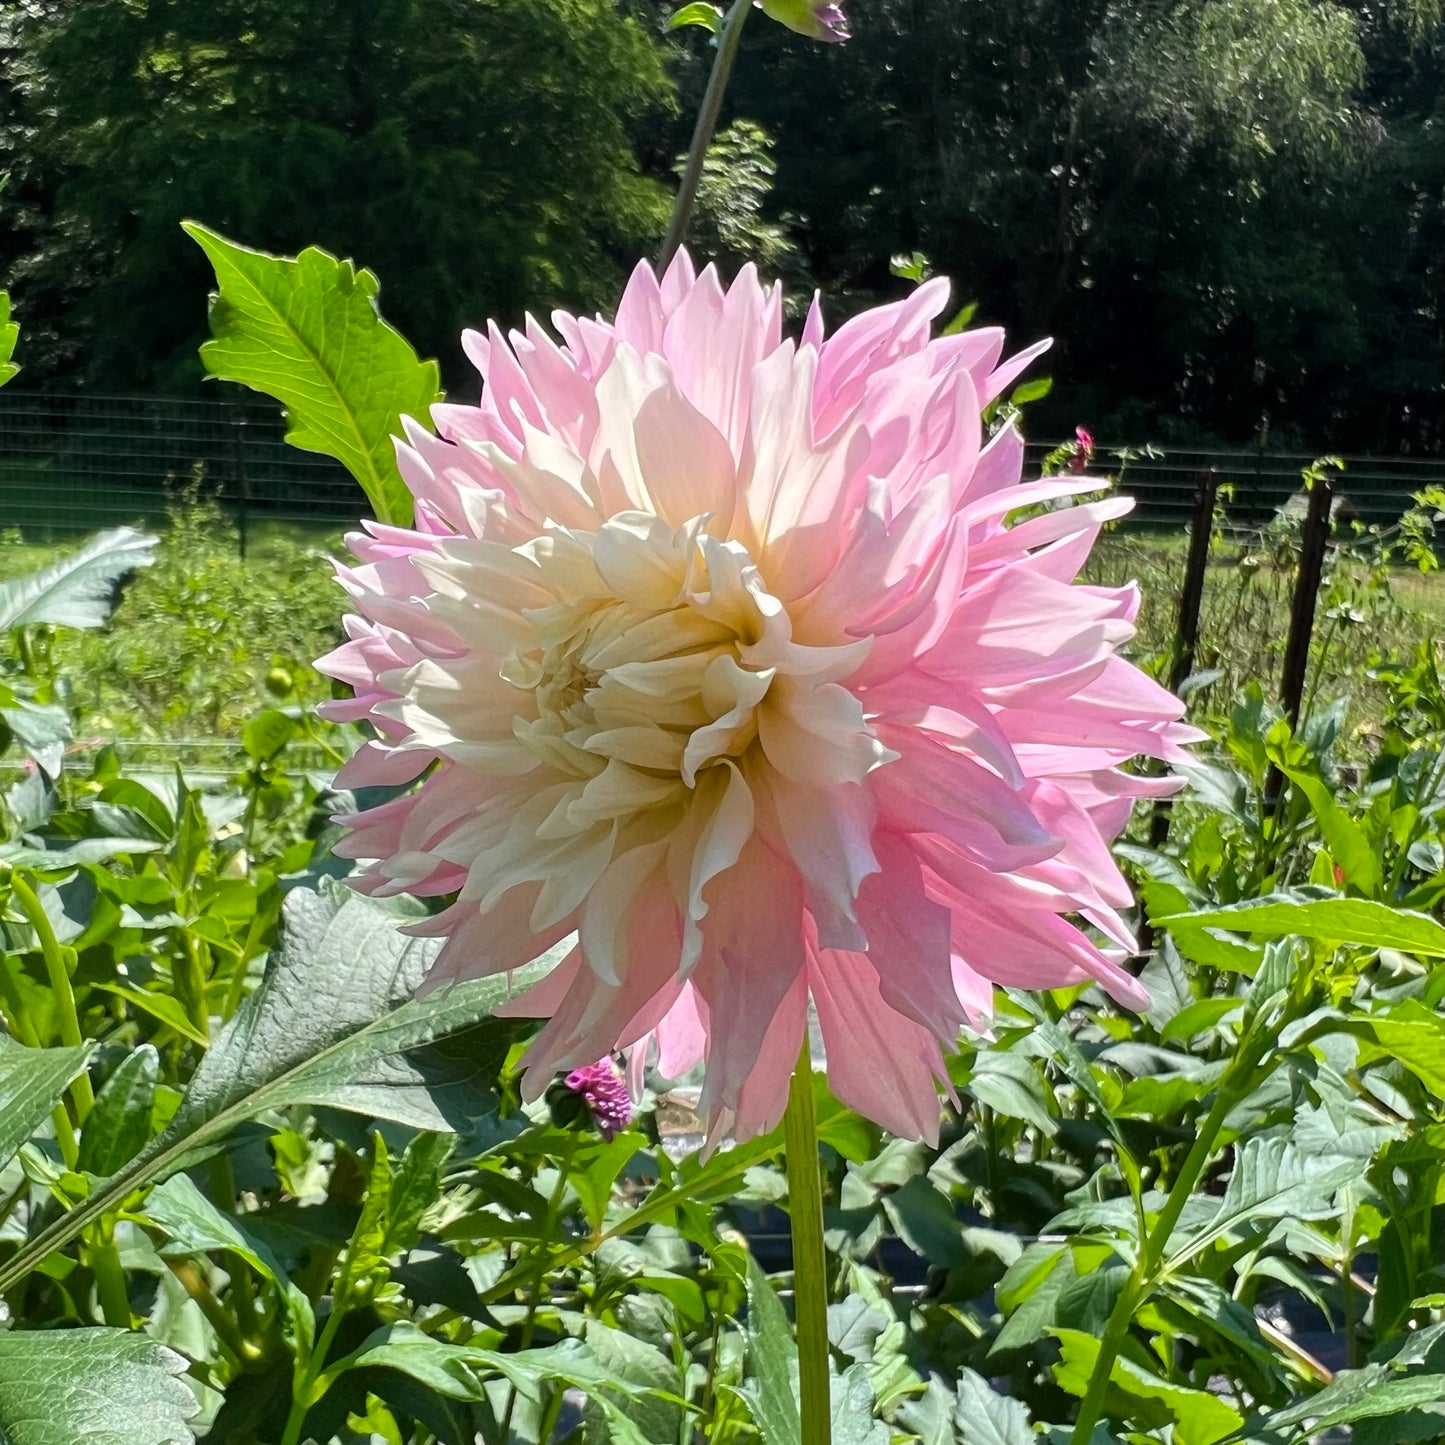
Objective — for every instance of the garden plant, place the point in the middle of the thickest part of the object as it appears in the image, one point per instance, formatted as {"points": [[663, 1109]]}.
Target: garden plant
{"points": [[699, 970]]}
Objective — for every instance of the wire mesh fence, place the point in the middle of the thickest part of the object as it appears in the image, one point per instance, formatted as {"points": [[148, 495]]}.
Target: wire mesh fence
{"points": [[70, 464]]}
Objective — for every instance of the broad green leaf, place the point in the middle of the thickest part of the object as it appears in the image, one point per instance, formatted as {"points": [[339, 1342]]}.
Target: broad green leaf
{"points": [[1328, 920], [9, 335], [119, 1126], [710, 17], [1035, 390], [771, 1389], [307, 332], [852, 1407], [267, 733], [984, 1417], [335, 1022], [1409, 1032], [1204, 1013], [1199, 1418], [195, 1226], [456, 1371], [41, 729], [641, 1365], [1346, 840], [1358, 1395], [32, 1083], [79, 589], [1012, 1085], [100, 1386], [1271, 1180], [925, 1221], [163, 1007]]}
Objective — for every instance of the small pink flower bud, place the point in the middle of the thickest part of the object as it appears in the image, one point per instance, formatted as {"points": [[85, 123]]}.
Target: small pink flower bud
{"points": [[817, 19], [605, 1093]]}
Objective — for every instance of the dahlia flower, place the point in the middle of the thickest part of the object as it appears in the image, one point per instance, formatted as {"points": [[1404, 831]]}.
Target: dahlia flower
{"points": [[753, 666]]}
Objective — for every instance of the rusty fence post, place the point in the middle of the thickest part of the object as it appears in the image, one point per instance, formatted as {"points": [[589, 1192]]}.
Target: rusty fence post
{"points": [[1186, 626], [1314, 541]]}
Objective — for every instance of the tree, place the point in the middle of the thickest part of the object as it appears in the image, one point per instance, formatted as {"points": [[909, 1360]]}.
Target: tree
{"points": [[474, 153]]}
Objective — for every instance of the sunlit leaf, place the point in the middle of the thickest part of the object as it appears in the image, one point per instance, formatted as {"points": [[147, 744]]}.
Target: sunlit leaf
{"points": [[307, 332]]}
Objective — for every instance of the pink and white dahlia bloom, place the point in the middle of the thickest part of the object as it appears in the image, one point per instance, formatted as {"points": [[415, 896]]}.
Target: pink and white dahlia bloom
{"points": [[719, 651]]}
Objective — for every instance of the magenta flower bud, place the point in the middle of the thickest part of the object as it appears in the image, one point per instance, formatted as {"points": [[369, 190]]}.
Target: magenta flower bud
{"points": [[604, 1091], [817, 19]]}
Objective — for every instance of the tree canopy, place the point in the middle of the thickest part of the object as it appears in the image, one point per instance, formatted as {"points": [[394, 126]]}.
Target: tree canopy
{"points": [[1230, 213]]}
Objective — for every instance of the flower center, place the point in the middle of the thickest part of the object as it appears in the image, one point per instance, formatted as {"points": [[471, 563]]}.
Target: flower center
{"points": [[640, 661]]}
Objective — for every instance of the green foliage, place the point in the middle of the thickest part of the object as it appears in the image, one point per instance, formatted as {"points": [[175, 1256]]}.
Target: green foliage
{"points": [[80, 589], [104, 1386], [9, 335], [307, 331], [241, 1141], [475, 156]]}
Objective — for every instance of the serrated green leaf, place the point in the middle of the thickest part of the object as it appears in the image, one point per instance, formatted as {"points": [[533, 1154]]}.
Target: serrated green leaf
{"points": [[771, 1390], [102, 1386], [1328, 920], [307, 332], [119, 1125], [1271, 1180], [335, 1022], [1358, 1395], [79, 589], [984, 1417], [32, 1083], [1199, 1418]]}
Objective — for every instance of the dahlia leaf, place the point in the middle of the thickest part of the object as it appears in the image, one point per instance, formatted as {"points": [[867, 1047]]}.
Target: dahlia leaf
{"points": [[80, 589], [334, 1023], [103, 1386], [1327, 920], [31, 1084], [194, 1226], [306, 330], [984, 1417], [771, 1391]]}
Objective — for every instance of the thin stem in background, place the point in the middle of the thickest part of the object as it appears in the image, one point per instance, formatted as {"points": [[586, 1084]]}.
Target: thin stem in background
{"points": [[810, 1266], [1235, 1085], [727, 50]]}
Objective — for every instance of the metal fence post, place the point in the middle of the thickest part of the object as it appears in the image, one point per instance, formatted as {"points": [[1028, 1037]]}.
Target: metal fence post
{"points": [[1186, 626], [1314, 539]]}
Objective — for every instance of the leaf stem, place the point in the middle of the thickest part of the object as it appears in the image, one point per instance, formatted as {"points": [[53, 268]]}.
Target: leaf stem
{"points": [[60, 985], [810, 1266], [1234, 1085], [727, 50]]}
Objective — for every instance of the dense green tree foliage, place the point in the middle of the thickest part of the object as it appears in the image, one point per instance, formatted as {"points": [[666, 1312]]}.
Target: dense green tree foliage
{"points": [[1231, 213], [474, 153]]}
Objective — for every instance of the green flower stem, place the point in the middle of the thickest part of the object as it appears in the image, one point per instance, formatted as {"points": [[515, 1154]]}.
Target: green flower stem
{"points": [[810, 1265], [1235, 1085], [57, 970], [727, 51], [109, 1275]]}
